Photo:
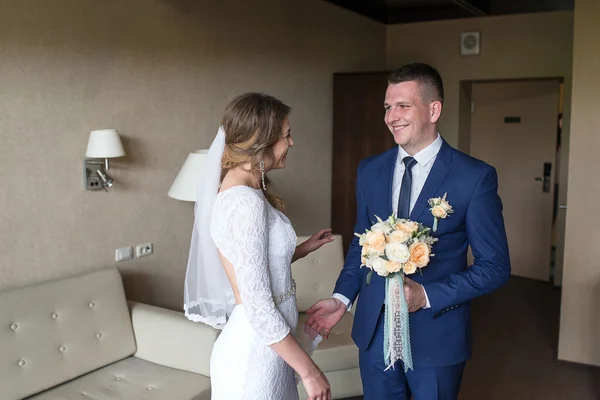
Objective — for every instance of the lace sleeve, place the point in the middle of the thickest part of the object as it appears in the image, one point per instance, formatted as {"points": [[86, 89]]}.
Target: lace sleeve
{"points": [[242, 237]]}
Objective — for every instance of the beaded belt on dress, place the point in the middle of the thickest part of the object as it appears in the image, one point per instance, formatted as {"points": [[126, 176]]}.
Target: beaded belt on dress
{"points": [[280, 298]]}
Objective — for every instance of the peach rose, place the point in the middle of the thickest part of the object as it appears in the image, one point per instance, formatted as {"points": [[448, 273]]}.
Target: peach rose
{"points": [[439, 212], [393, 266], [368, 254], [419, 253], [376, 241], [398, 236], [366, 249], [409, 267], [364, 254], [408, 227]]}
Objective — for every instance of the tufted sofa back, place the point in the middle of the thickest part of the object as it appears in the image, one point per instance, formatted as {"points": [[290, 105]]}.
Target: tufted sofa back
{"points": [[56, 331], [316, 274]]}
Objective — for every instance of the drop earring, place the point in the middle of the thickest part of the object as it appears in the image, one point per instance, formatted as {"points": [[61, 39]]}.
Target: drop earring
{"points": [[262, 174]]}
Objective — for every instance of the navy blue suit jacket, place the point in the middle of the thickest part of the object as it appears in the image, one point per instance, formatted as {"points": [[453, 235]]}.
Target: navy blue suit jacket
{"points": [[440, 335]]}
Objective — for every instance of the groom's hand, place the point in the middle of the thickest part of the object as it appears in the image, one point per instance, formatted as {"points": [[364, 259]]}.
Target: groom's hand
{"points": [[415, 295], [324, 315]]}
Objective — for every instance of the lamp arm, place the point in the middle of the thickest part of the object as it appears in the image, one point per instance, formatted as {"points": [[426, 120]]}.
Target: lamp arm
{"points": [[93, 162]]}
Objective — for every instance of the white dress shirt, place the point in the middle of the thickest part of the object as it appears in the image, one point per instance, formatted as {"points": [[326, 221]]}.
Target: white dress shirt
{"points": [[420, 171]]}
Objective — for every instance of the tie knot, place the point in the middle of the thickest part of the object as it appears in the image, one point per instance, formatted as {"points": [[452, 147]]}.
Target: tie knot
{"points": [[409, 162]]}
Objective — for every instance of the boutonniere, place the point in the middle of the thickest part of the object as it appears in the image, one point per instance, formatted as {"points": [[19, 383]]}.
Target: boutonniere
{"points": [[440, 208]]}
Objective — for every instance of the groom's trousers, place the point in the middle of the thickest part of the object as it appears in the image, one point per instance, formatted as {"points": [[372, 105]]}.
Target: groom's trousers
{"points": [[425, 383]]}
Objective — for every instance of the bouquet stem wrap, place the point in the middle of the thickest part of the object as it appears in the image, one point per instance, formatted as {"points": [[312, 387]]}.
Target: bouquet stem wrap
{"points": [[396, 339]]}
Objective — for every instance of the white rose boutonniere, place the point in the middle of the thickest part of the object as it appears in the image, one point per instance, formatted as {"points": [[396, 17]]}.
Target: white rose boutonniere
{"points": [[440, 209]]}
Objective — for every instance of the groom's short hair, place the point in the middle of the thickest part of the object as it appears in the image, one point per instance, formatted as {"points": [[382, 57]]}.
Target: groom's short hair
{"points": [[428, 78]]}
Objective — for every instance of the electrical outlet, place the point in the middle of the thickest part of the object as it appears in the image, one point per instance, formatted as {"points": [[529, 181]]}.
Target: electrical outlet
{"points": [[124, 253], [144, 249]]}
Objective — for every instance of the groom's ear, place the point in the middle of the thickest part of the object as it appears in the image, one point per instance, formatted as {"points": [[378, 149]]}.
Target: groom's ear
{"points": [[435, 111]]}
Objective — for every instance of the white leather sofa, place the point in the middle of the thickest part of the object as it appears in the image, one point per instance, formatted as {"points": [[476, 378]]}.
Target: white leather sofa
{"points": [[78, 338], [75, 338]]}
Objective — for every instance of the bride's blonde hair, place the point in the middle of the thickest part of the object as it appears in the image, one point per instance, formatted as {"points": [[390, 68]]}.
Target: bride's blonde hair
{"points": [[253, 123]]}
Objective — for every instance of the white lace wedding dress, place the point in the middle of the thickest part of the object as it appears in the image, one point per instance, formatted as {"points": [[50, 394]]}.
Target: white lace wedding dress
{"points": [[259, 241]]}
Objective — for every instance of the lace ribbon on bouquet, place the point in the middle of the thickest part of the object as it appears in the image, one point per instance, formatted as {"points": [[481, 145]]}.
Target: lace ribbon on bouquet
{"points": [[396, 339]]}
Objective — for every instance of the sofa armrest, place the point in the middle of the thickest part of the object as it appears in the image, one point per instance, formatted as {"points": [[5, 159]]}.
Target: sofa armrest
{"points": [[168, 338]]}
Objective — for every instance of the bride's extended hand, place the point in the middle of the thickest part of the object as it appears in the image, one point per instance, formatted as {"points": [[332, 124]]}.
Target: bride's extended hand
{"points": [[313, 243], [317, 386]]}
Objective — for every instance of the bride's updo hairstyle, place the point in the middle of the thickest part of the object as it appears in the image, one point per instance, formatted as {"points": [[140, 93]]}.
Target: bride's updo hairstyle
{"points": [[253, 123]]}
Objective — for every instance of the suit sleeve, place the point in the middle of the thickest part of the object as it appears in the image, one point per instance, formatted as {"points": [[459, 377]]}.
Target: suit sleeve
{"points": [[350, 279], [487, 237]]}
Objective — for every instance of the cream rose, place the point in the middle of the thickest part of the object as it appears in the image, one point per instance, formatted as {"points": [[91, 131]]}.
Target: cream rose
{"points": [[376, 241], [393, 266], [362, 239], [381, 227], [397, 252], [419, 253], [409, 267], [379, 267], [398, 237], [439, 211], [445, 205]]}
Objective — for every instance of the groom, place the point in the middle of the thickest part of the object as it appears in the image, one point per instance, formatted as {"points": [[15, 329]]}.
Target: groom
{"points": [[402, 180]]}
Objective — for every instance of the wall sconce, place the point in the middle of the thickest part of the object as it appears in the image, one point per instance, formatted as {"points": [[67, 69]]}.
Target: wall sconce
{"points": [[102, 144], [185, 185]]}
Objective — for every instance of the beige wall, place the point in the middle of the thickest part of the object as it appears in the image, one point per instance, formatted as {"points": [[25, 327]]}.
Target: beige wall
{"points": [[161, 72], [516, 46], [580, 314]]}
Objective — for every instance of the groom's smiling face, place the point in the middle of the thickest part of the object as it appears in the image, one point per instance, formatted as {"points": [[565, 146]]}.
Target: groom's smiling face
{"points": [[410, 117]]}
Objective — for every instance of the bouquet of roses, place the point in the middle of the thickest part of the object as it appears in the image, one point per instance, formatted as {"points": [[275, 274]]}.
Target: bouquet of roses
{"points": [[394, 248]]}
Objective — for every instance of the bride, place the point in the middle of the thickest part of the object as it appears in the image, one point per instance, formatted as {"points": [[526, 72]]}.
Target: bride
{"points": [[239, 270]]}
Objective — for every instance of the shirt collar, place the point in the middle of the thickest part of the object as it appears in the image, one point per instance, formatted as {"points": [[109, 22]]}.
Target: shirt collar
{"points": [[425, 155]]}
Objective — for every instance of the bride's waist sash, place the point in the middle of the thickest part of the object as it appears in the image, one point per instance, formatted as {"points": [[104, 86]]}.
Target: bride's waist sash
{"points": [[280, 298]]}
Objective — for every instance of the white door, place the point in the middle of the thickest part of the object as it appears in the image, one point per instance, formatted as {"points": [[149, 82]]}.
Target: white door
{"points": [[514, 128]]}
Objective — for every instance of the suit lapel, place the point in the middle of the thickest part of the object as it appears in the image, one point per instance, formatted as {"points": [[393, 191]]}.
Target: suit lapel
{"points": [[435, 178], [386, 174]]}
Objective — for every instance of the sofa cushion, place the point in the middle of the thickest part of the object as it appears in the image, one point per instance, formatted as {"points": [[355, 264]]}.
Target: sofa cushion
{"points": [[168, 338], [316, 274], [338, 352], [132, 378], [56, 331]]}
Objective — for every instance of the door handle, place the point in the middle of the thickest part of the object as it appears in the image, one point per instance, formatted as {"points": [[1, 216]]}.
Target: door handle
{"points": [[546, 178], [563, 206]]}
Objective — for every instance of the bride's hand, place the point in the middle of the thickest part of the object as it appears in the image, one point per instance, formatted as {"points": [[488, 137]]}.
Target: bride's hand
{"points": [[314, 242], [317, 386]]}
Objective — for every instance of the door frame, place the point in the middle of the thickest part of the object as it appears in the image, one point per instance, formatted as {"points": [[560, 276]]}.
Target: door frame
{"points": [[464, 145]]}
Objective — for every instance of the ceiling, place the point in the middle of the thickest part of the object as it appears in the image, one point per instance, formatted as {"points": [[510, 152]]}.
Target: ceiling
{"points": [[405, 11]]}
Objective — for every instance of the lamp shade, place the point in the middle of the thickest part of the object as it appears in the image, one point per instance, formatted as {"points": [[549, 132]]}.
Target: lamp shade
{"points": [[104, 143], [185, 185]]}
